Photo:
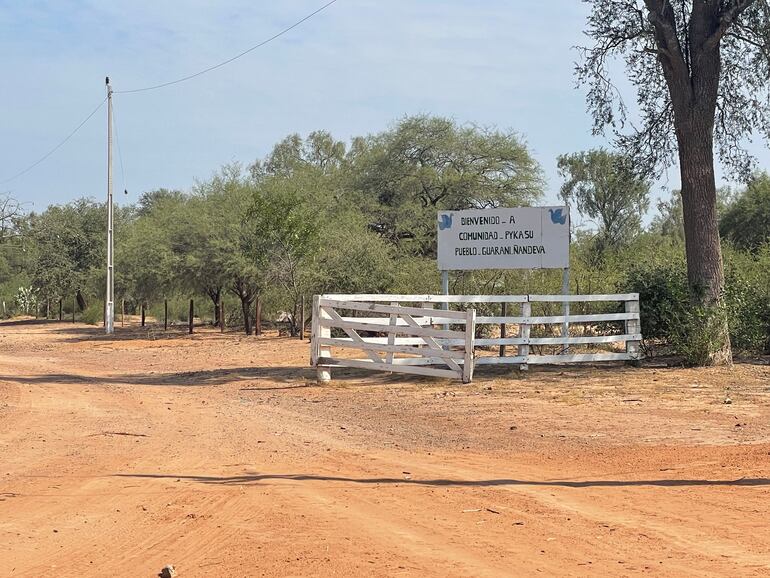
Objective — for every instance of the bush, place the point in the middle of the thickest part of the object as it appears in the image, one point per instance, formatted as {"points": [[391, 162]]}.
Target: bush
{"points": [[747, 299], [663, 298], [94, 313], [667, 314], [697, 334]]}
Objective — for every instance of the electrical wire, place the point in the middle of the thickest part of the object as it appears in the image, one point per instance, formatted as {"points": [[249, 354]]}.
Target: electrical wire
{"points": [[157, 86], [57, 147], [229, 60]]}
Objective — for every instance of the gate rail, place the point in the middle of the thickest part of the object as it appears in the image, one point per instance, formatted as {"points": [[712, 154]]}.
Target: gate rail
{"points": [[423, 344]]}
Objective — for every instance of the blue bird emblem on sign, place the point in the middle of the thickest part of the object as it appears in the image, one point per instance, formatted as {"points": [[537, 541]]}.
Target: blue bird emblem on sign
{"points": [[557, 216], [445, 222]]}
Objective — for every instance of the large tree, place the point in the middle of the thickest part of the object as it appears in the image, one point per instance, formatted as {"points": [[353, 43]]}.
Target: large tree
{"points": [[223, 252], [71, 239], [605, 188], [425, 163], [701, 72]]}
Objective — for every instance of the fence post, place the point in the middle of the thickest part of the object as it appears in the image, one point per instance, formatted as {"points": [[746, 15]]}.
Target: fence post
{"points": [[190, 317], [221, 315], [503, 329], [258, 316], [632, 328], [393, 322], [314, 315], [565, 307], [470, 344], [323, 373], [302, 318], [144, 308], [122, 312], [60, 308], [526, 311], [74, 306], [165, 315]]}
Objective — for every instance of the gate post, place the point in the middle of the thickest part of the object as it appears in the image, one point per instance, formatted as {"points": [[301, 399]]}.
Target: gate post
{"points": [[317, 350], [632, 327], [526, 311], [470, 345]]}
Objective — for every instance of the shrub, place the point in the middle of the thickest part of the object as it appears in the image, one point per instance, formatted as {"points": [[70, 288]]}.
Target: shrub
{"points": [[94, 313], [747, 299], [697, 333], [668, 315], [663, 298]]}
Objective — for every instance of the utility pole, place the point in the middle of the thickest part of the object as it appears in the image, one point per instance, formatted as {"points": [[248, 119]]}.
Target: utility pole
{"points": [[109, 309]]}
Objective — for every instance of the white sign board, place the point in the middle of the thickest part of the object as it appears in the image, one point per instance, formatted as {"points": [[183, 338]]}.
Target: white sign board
{"points": [[521, 238]]}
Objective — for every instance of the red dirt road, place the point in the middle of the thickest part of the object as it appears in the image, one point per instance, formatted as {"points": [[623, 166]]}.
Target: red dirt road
{"points": [[221, 456]]}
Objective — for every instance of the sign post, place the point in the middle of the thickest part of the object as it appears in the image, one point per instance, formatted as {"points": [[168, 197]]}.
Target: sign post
{"points": [[445, 291], [565, 305]]}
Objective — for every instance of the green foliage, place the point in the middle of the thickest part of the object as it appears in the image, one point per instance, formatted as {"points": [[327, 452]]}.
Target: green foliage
{"points": [[146, 265], [747, 299], [669, 315], [94, 313], [663, 297], [179, 310], [607, 189], [402, 176], [746, 223], [697, 334], [317, 217], [669, 222]]}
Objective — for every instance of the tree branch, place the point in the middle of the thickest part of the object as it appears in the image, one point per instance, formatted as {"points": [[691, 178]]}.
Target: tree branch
{"points": [[730, 13], [663, 20]]}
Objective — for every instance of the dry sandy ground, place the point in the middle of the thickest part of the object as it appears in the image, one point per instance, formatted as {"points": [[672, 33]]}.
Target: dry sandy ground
{"points": [[219, 454]]}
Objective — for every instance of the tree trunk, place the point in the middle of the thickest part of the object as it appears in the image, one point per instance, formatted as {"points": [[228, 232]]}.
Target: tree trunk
{"points": [[705, 273], [215, 296], [81, 301], [246, 308]]}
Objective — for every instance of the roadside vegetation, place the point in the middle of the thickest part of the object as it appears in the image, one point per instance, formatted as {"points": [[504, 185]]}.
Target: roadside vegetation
{"points": [[318, 215]]}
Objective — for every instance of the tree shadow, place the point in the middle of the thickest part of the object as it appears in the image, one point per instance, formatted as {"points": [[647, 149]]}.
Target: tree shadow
{"points": [[442, 482], [28, 322], [95, 333], [154, 331], [305, 375]]}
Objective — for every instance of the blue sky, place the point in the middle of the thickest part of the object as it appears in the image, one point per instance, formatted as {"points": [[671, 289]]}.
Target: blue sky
{"points": [[353, 69]]}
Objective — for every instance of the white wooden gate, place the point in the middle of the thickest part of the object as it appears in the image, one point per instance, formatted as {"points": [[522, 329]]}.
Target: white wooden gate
{"points": [[409, 325], [411, 344]]}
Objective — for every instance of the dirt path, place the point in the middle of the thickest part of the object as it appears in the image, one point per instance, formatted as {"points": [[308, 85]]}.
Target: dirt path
{"points": [[220, 455]]}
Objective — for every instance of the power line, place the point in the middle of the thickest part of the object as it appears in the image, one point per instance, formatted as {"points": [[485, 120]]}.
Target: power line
{"points": [[183, 79], [57, 147], [229, 60]]}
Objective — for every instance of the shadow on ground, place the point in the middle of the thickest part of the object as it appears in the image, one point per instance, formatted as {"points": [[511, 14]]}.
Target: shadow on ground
{"points": [[151, 332], [186, 378], [27, 322], [294, 376], [256, 478]]}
